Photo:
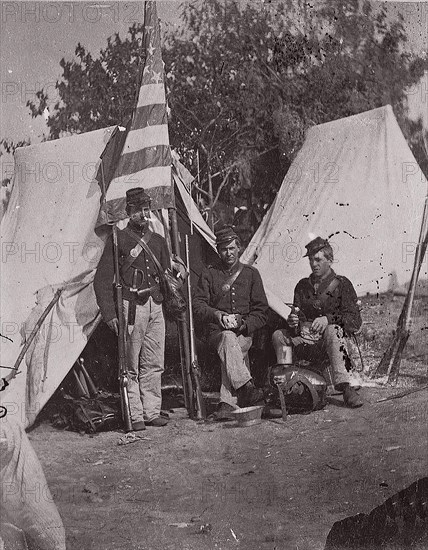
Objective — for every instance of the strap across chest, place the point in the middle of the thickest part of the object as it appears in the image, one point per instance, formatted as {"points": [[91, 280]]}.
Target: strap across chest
{"points": [[227, 284], [141, 244], [321, 297]]}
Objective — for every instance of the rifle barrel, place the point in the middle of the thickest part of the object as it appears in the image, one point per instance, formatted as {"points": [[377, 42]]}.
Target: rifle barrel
{"points": [[123, 372], [200, 405]]}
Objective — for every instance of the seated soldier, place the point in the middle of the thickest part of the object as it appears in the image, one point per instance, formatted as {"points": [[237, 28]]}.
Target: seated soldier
{"points": [[230, 301], [325, 311]]}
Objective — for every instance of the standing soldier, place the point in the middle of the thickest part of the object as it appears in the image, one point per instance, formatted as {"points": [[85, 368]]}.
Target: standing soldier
{"points": [[142, 306], [230, 301]]}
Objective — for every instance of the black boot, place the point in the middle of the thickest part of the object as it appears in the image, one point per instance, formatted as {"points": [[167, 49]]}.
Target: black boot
{"points": [[249, 395], [351, 398]]}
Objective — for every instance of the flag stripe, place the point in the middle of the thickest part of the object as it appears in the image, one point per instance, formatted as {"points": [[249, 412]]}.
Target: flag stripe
{"points": [[150, 115], [151, 94], [144, 158], [147, 178], [150, 136]]}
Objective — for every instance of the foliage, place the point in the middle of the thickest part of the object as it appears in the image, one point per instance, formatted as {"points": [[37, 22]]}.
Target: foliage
{"points": [[94, 93], [7, 146], [244, 82], [220, 105]]}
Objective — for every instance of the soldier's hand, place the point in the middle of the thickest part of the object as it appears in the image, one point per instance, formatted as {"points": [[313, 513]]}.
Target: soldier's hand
{"points": [[242, 328], [239, 320], [219, 318], [179, 268], [113, 325], [319, 324], [293, 320]]}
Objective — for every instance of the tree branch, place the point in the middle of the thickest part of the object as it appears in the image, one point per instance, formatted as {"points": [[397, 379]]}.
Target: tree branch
{"points": [[222, 184], [238, 162], [200, 189]]}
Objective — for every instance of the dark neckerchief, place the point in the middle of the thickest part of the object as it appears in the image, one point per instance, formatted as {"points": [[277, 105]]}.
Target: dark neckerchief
{"points": [[320, 285], [137, 229]]}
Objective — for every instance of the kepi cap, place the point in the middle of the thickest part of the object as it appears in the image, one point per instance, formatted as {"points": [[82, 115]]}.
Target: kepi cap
{"points": [[137, 197], [225, 235], [315, 246]]}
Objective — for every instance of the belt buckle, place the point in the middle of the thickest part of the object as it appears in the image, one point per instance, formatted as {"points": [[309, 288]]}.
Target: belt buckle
{"points": [[135, 287]]}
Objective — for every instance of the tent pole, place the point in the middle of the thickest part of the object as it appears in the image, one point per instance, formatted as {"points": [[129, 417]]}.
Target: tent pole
{"points": [[183, 329], [35, 330]]}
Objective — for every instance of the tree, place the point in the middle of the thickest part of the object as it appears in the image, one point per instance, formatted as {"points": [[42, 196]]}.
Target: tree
{"points": [[265, 74], [244, 82], [220, 105]]}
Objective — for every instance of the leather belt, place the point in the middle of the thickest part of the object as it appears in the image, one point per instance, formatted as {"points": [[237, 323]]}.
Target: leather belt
{"points": [[136, 292], [143, 292]]}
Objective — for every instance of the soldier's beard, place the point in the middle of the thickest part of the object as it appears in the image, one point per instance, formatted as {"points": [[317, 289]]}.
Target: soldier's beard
{"points": [[141, 224], [231, 261]]}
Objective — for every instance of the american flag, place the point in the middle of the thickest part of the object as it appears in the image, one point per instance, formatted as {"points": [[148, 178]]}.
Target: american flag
{"points": [[145, 160]]}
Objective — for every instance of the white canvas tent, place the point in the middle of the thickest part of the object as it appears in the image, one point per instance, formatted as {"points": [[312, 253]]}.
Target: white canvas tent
{"points": [[355, 181], [48, 243]]}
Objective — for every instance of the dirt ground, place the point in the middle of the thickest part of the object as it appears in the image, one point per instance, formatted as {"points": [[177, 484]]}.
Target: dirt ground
{"points": [[276, 485]]}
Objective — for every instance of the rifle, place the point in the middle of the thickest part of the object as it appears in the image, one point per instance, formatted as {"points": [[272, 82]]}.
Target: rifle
{"points": [[123, 371], [201, 413], [391, 360]]}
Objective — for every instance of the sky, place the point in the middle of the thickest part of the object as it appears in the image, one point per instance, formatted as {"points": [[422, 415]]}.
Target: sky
{"points": [[34, 36]]}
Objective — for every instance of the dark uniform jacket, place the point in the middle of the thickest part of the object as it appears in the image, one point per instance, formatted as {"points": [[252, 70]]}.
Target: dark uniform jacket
{"points": [[246, 296], [147, 276], [338, 302]]}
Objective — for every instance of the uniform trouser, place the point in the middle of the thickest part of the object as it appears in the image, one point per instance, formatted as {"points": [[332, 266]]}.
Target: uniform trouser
{"points": [[145, 348], [233, 353], [25, 499], [331, 346]]}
